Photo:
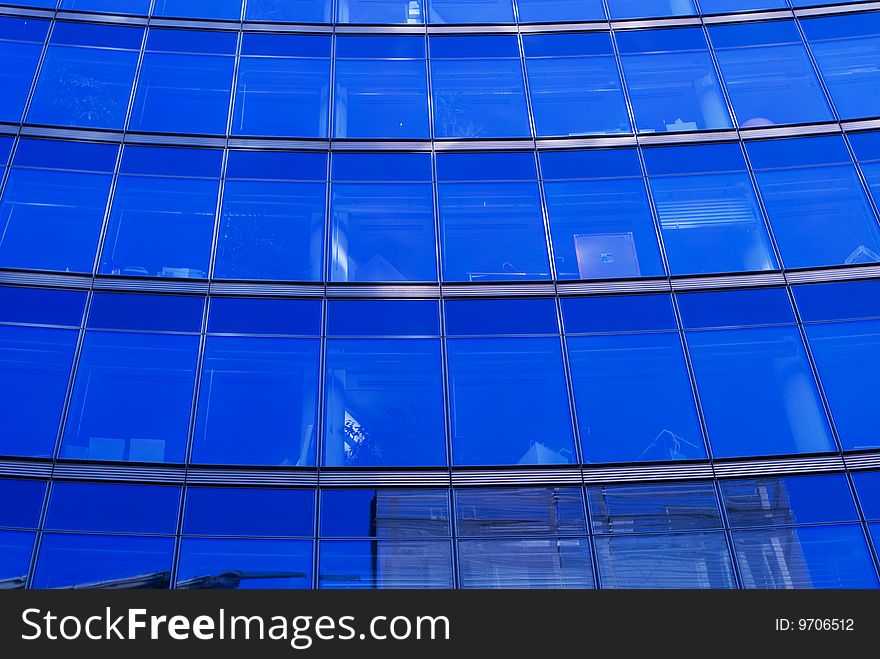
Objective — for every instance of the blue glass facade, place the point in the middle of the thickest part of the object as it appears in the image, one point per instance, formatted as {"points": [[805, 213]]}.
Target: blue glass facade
{"points": [[439, 294]]}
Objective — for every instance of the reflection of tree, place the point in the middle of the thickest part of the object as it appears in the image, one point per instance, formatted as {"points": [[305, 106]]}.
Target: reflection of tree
{"points": [[250, 250], [87, 101], [454, 117], [398, 437]]}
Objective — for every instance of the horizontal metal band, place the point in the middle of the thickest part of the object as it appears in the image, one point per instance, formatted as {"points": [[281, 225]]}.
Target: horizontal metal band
{"points": [[121, 472], [25, 469], [598, 142], [833, 274], [519, 477], [46, 280], [337, 291], [688, 137], [602, 287], [643, 23], [772, 467], [266, 290], [153, 285], [483, 290], [764, 133], [732, 281], [750, 16], [207, 476], [412, 478], [654, 472], [866, 461]]}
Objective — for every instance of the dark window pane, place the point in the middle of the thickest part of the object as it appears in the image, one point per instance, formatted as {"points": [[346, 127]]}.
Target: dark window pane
{"points": [[249, 511], [509, 402], [27, 497], [244, 564], [257, 402], [868, 489], [41, 306], [551, 11], [465, 11], [34, 370], [103, 561], [530, 511], [113, 508], [383, 318], [16, 548], [525, 563], [613, 375], [730, 6], [759, 306], [805, 557], [20, 60], [131, 398], [847, 354], [384, 513], [758, 393], [618, 313], [384, 403], [792, 500], [138, 7], [656, 507], [231, 315], [223, 9], [683, 560], [488, 317], [648, 8], [369, 564], [295, 11], [839, 300], [161, 313], [381, 11]]}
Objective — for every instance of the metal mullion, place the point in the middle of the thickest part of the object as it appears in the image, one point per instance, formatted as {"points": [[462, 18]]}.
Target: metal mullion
{"points": [[728, 534], [319, 434], [873, 550]]}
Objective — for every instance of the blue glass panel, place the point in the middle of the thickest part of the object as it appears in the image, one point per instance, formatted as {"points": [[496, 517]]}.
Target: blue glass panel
{"points": [[382, 168], [131, 398], [652, 507], [788, 500], [711, 222], [682, 560], [477, 97], [602, 229], [613, 375], [838, 301], [488, 317], [731, 6], [295, 11], [847, 355], [192, 41], [223, 9], [695, 159], [15, 558], [51, 220], [144, 212], [494, 382], [618, 313], [277, 165], [88, 81], [467, 11], [265, 316], [28, 502], [850, 72], [805, 557], [592, 164], [161, 161], [800, 152], [552, 11], [249, 511], [257, 402], [492, 232], [19, 63], [282, 96], [182, 93], [39, 306], [383, 318], [866, 145], [521, 511], [362, 564], [391, 513], [758, 306], [137, 7], [379, 47], [383, 404], [525, 563], [827, 202], [113, 508], [271, 230], [34, 370], [70, 156], [382, 231], [672, 91], [572, 94], [840, 26], [5, 150], [169, 313], [47, 4], [486, 166], [244, 564], [103, 561], [285, 45], [757, 392], [868, 489], [872, 176], [380, 11], [649, 8]]}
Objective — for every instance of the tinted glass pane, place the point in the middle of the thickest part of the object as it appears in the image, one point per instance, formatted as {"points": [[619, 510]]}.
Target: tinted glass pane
{"points": [[86, 80], [846, 354], [805, 557], [244, 564], [868, 489], [793, 500], [15, 558], [41, 306], [838, 300], [525, 563], [265, 316], [296, 11], [103, 561], [34, 370], [684, 560], [655, 507], [225, 9], [758, 393], [539, 11], [383, 403], [249, 511], [730, 6], [131, 398], [383, 318], [509, 402], [380, 11], [493, 317], [384, 513], [645, 8], [28, 502], [385, 564], [112, 508], [519, 511], [139, 7], [467, 11], [618, 313], [602, 229], [733, 308], [257, 402], [20, 63], [170, 313], [613, 375]]}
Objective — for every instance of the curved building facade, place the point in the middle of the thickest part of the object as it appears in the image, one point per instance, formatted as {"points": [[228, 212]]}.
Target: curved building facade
{"points": [[439, 294]]}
